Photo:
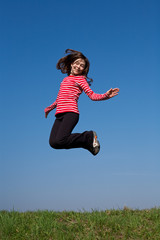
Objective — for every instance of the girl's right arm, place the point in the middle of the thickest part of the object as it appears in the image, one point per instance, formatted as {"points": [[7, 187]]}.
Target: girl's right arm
{"points": [[50, 108]]}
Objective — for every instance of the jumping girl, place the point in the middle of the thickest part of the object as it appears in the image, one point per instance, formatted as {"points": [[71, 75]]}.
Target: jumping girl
{"points": [[76, 65]]}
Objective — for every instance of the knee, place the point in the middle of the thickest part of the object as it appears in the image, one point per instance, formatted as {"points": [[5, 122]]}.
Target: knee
{"points": [[53, 144], [57, 143]]}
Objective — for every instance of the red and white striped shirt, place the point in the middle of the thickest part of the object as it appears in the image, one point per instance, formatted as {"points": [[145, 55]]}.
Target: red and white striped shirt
{"points": [[70, 90]]}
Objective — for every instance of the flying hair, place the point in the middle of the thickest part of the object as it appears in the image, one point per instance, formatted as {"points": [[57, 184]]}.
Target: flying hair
{"points": [[64, 63]]}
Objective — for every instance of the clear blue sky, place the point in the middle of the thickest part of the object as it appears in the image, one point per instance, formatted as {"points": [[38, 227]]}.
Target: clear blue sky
{"points": [[121, 40]]}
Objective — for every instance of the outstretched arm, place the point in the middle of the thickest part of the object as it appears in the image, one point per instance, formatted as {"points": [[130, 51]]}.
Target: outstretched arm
{"points": [[95, 96]]}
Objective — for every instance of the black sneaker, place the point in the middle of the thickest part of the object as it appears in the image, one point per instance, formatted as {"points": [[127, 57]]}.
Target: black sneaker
{"points": [[95, 145]]}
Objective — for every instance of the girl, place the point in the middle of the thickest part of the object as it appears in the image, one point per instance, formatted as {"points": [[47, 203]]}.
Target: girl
{"points": [[76, 65]]}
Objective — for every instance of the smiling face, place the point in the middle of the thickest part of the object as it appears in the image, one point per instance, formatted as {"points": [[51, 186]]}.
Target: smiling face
{"points": [[77, 67]]}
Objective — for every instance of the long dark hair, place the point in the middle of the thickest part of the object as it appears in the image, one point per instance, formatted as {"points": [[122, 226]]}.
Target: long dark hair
{"points": [[64, 64]]}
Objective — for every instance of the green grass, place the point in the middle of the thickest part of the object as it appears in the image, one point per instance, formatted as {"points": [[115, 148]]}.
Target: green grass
{"points": [[110, 224]]}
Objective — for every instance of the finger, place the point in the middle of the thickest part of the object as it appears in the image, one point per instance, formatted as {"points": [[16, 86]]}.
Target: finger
{"points": [[114, 94], [116, 90], [110, 91]]}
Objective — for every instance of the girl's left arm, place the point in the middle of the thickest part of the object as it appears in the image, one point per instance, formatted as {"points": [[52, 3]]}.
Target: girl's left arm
{"points": [[95, 96], [50, 108]]}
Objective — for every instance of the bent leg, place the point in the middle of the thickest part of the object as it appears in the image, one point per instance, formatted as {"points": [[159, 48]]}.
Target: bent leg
{"points": [[61, 137]]}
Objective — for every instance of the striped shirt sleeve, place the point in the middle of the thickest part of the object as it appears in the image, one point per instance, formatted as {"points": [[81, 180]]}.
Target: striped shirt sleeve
{"points": [[51, 107], [82, 82]]}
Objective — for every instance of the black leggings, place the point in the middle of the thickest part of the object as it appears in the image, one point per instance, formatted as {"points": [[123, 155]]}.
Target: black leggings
{"points": [[61, 137]]}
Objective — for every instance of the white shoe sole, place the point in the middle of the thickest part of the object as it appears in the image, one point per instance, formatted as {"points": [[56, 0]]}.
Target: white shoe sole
{"points": [[96, 144]]}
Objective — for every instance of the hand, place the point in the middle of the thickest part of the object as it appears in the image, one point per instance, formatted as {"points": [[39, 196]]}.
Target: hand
{"points": [[46, 114], [113, 92]]}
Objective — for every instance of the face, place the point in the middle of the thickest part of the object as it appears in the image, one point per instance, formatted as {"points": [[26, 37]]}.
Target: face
{"points": [[77, 67]]}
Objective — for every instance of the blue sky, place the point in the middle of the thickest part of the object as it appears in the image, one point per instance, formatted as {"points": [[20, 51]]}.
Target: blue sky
{"points": [[121, 40]]}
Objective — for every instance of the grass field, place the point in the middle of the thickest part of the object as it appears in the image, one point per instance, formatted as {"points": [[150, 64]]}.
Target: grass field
{"points": [[110, 224]]}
